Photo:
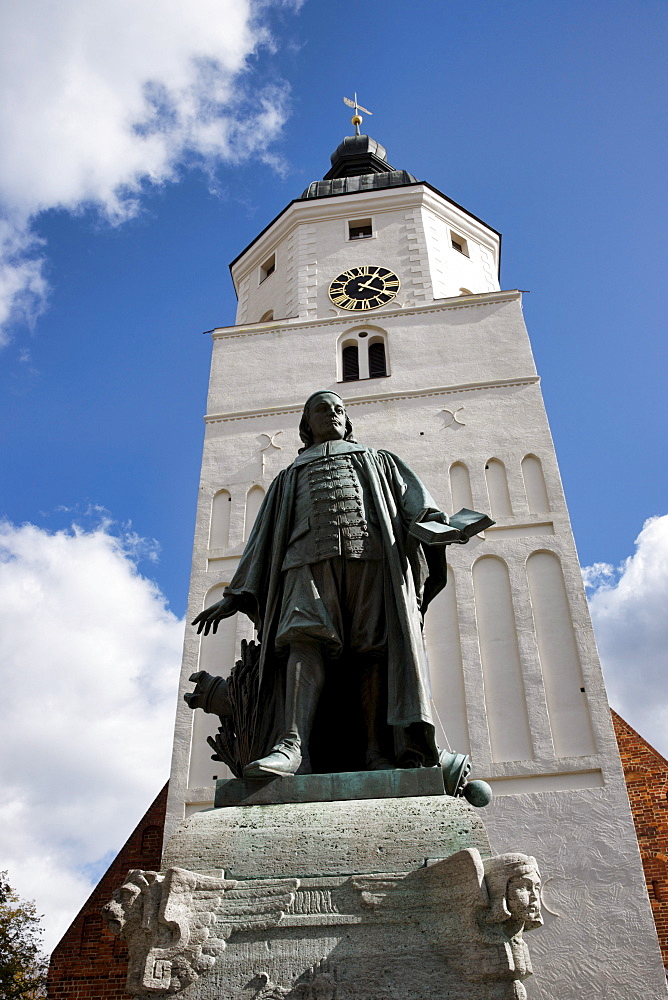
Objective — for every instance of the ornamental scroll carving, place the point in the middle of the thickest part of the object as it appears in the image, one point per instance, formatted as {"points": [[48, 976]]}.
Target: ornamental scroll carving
{"points": [[176, 923], [470, 913]]}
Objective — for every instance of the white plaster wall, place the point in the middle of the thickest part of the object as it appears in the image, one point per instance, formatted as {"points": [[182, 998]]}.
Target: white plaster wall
{"points": [[463, 389], [452, 270], [411, 235], [451, 342], [599, 939]]}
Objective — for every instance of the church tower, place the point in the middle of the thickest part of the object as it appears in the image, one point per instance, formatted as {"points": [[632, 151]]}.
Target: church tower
{"points": [[378, 286]]}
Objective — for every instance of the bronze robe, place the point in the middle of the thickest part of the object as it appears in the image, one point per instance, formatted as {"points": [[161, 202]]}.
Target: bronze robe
{"points": [[412, 576]]}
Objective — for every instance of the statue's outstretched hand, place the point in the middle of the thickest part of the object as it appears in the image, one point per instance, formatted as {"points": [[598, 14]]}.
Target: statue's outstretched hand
{"points": [[212, 616], [438, 515]]}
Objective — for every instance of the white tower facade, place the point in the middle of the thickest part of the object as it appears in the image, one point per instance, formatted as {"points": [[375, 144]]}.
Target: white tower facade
{"points": [[443, 375]]}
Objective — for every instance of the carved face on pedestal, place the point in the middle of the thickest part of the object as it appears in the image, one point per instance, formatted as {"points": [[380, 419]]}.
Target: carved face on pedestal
{"points": [[523, 898], [120, 909]]}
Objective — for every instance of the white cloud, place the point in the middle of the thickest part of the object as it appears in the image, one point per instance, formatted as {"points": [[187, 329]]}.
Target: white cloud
{"points": [[101, 98], [629, 611], [90, 657]]}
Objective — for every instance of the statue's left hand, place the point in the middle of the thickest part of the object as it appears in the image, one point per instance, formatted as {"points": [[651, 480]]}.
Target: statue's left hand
{"points": [[437, 515], [441, 518], [212, 616]]}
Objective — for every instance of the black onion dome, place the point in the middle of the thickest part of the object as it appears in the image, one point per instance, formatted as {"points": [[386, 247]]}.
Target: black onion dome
{"points": [[359, 163], [358, 154]]}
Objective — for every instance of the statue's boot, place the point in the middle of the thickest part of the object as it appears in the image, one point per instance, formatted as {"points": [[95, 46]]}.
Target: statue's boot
{"points": [[283, 759], [374, 707], [304, 682]]}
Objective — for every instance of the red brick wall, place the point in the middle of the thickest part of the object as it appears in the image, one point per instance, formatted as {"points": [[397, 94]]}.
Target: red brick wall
{"points": [[90, 963], [646, 773]]}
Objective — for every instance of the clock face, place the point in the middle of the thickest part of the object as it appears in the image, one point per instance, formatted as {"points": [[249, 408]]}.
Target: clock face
{"points": [[364, 287]]}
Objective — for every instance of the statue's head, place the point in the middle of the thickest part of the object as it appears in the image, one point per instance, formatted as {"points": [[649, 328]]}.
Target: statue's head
{"points": [[324, 419], [513, 882]]}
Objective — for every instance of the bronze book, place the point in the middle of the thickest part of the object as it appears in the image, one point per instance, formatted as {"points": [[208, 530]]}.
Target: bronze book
{"points": [[463, 525]]}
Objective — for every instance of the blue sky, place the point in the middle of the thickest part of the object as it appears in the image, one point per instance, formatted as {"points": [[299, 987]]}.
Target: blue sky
{"points": [[545, 120]]}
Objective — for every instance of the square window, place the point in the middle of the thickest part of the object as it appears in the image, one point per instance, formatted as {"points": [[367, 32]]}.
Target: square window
{"points": [[360, 229], [459, 244], [268, 267]]}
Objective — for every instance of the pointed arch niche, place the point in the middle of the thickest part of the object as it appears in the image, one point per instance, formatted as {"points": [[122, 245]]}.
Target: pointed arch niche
{"points": [[216, 656], [497, 488], [219, 531], [567, 706], [534, 485], [505, 696], [254, 499], [362, 353], [460, 487], [446, 671]]}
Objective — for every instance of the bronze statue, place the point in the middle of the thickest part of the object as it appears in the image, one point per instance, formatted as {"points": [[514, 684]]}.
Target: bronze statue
{"points": [[337, 586]]}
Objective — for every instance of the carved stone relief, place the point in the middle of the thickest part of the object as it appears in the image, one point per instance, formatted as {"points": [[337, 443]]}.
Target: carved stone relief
{"points": [[176, 923], [270, 443], [451, 418], [468, 913]]}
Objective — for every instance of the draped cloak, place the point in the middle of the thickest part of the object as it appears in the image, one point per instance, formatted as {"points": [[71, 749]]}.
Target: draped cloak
{"points": [[412, 576]]}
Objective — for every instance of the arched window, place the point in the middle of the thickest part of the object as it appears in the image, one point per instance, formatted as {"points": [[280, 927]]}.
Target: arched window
{"points": [[460, 487], [216, 650], [217, 653], [560, 663], [503, 681], [151, 840], [219, 532], [363, 354], [377, 364], [268, 316], [351, 363], [254, 499], [444, 650], [91, 932], [534, 484], [497, 488]]}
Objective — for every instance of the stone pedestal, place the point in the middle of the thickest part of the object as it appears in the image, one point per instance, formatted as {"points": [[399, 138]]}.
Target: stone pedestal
{"points": [[371, 898]]}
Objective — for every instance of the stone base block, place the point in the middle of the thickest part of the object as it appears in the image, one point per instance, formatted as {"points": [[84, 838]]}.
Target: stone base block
{"points": [[371, 899], [326, 838]]}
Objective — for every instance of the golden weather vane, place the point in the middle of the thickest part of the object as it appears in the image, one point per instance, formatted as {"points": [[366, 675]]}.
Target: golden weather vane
{"points": [[356, 118]]}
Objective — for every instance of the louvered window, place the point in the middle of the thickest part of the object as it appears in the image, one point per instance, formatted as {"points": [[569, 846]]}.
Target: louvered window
{"points": [[351, 364], [377, 366]]}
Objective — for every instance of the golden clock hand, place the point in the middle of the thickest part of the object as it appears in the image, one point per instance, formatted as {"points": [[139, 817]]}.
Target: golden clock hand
{"points": [[372, 287]]}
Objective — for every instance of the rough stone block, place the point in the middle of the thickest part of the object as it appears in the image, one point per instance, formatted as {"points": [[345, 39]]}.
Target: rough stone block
{"points": [[326, 838]]}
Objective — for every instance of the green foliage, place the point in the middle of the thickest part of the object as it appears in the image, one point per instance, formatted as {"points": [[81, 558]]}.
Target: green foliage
{"points": [[23, 967]]}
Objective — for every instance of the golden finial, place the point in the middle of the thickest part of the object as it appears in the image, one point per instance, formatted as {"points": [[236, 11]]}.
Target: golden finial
{"points": [[356, 118]]}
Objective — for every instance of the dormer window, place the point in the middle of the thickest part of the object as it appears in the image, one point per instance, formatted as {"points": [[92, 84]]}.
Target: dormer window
{"points": [[459, 244], [268, 267], [360, 229]]}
